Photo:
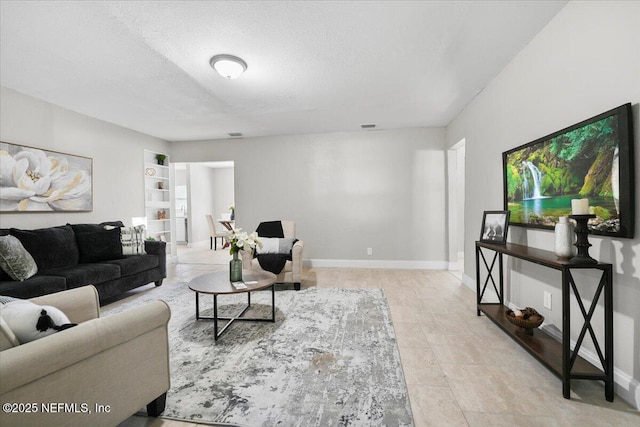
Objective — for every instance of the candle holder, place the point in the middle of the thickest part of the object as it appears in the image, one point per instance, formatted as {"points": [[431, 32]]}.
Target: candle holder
{"points": [[582, 241]]}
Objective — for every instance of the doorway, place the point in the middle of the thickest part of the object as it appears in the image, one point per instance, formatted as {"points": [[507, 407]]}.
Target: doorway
{"points": [[456, 188], [201, 188]]}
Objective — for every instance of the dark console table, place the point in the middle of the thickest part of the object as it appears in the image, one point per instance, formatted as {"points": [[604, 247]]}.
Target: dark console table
{"points": [[557, 357]]}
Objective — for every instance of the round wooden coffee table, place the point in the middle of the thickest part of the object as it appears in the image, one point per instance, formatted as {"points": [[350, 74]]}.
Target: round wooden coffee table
{"points": [[217, 283]]}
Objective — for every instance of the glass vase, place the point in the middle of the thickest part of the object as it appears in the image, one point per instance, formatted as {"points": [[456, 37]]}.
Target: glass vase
{"points": [[235, 268]]}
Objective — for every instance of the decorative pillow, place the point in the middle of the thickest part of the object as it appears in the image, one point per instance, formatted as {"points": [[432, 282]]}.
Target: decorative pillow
{"points": [[86, 228], [3, 274], [274, 245], [51, 247], [6, 300], [131, 239], [29, 321], [138, 236], [15, 260], [96, 246]]}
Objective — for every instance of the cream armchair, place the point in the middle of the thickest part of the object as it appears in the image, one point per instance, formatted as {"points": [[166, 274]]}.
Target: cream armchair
{"points": [[97, 373], [292, 271]]}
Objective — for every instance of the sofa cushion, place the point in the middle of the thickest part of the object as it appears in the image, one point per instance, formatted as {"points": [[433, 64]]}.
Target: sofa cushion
{"points": [[27, 320], [33, 287], [15, 260], [113, 223], [85, 228], [132, 264], [131, 238], [103, 245], [51, 247], [84, 274]]}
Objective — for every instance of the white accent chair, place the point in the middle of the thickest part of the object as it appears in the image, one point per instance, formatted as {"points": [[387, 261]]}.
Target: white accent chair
{"points": [[292, 271], [214, 234]]}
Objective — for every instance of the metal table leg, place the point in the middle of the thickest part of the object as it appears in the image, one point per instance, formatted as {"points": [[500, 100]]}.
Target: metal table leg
{"points": [[238, 317]]}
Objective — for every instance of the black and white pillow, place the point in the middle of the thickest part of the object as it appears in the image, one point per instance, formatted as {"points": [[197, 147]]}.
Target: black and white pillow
{"points": [[29, 321], [6, 300], [274, 245], [131, 238]]}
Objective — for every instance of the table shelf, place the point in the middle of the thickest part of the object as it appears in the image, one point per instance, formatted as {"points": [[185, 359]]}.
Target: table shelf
{"points": [[540, 345], [558, 357]]}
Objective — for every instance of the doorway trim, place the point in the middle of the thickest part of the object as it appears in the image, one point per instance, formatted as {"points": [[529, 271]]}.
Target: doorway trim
{"points": [[456, 203]]}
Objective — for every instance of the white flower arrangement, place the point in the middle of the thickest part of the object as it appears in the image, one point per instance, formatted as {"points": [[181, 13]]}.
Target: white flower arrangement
{"points": [[240, 240]]}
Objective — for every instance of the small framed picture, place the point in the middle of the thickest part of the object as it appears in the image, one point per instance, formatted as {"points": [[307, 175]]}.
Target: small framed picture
{"points": [[494, 227]]}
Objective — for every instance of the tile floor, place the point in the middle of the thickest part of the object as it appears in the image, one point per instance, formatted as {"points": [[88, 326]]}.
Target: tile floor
{"points": [[460, 369]]}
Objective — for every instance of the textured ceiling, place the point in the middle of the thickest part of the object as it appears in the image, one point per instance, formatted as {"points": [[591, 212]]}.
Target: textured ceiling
{"points": [[313, 66]]}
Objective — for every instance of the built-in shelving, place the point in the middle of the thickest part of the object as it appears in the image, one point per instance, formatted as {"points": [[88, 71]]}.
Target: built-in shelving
{"points": [[158, 199]]}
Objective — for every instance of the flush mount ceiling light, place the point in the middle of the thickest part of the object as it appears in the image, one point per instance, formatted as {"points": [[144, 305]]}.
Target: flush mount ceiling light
{"points": [[228, 66]]}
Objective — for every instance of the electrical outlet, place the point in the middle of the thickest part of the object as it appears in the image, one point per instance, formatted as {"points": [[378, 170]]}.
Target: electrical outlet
{"points": [[369, 251], [547, 300]]}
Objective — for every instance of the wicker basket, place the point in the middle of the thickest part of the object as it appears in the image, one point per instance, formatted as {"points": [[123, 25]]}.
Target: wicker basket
{"points": [[530, 319]]}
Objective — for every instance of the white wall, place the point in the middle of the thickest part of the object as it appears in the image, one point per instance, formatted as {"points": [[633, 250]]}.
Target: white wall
{"points": [[223, 195], [117, 153], [346, 191], [459, 195], [584, 62], [200, 193], [210, 192], [455, 203]]}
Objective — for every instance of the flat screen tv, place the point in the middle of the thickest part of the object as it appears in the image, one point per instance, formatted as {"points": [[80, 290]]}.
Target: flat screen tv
{"points": [[593, 159]]}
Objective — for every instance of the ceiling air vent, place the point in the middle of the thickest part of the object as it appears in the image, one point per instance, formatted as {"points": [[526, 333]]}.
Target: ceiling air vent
{"points": [[235, 134], [368, 126]]}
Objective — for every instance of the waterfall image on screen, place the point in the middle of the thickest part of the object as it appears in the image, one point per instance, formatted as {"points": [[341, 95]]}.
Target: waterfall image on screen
{"points": [[543, 178]]}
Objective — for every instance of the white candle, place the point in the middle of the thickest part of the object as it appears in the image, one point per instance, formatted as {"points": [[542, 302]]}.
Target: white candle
{"points": [[580, 206]]}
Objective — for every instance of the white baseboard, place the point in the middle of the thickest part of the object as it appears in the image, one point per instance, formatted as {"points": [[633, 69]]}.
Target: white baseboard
{"points": [[361, 263], [469, 282], [627, 387]]}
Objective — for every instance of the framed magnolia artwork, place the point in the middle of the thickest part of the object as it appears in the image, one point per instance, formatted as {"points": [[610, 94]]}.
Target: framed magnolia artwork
{"points": [[36, 180]]}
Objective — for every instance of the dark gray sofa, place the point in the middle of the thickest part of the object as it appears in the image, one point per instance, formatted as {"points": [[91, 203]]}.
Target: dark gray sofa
{"points": [[71, 256]]}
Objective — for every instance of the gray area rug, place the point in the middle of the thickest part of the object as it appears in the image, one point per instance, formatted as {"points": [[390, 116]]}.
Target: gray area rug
{"points": [[330, 359]]}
